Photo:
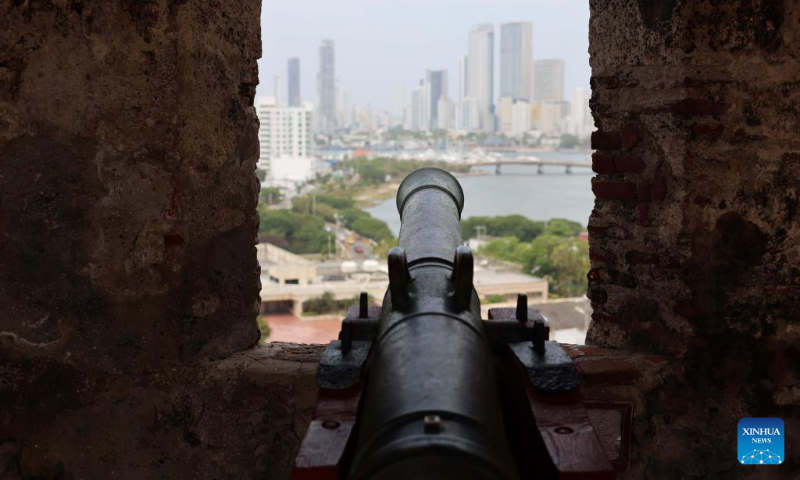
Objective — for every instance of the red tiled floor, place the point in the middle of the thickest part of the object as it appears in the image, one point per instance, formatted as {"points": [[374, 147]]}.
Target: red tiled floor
{"points": [[288, 328]]}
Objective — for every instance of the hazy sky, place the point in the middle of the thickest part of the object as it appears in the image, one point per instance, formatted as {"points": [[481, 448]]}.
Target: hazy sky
{"points": [[382, 44]]}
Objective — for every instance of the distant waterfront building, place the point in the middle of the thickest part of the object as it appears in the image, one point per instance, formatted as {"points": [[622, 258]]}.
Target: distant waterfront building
{"points": [[463, 78], [480, 72], [326, 87], [548, 80], [293, 82], [579, 122], [547, 117], [516, 59], [505, 114], [421, 107], [437, 85], [520, 118], [446, 114], [468, 115], [285, 132], [278, 90], [344, 110]]}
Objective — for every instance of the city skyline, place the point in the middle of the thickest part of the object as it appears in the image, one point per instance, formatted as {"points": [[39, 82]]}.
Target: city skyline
{"points": [[372, 68]]}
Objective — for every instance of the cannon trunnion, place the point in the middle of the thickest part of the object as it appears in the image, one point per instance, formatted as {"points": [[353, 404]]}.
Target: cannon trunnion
{"points": [[423, 388]]}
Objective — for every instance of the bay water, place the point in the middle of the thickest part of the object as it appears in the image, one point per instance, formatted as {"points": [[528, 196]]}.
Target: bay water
{"points": [[519, 189]]}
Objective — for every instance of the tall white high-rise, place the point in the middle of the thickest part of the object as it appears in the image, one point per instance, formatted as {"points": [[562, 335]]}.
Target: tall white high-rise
{"points": [[326, 87], [468, 115], [293, 82], [446, 119], [421, 106], [516, 60], [278, 90], [285, 132], [548, 80], [344, 110], [480, 72], [579, 122], [463, 77]]}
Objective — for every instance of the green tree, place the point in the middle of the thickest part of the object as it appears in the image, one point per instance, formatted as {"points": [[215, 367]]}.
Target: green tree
{"points": [[264, 327], [509, 249], [503, 226], [270, 196], [536, 260], [373, 173], [569, 141], [570, 264], [562, 228], [319, 305], [303, 232], [335, 201], [325, 211], [276, 222], [496, 298], [301, 204], [371, 228]]}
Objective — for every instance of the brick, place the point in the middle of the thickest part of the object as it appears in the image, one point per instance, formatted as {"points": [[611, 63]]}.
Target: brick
{"points": [[628, 137], [602, 163], [640, 212], [644, 192], [613, 190], [696, 106], [655, 359], [605, 140], [707, 130], [608, 370], [629, 164], [659, 189]]}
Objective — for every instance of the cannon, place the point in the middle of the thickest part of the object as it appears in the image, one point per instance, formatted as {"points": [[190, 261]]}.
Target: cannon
{"points": [[423, 388]]}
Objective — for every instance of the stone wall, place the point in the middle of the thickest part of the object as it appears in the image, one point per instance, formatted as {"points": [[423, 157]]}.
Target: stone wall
{"points": [[695, 235], [128, 144], [128, 273]]}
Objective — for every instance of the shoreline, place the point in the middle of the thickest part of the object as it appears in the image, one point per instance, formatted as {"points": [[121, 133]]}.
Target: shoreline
{"points": [[385, 191]]}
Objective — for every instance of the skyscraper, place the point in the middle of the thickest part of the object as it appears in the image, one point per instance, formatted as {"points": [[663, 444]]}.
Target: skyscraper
{"points": [[326, 87], [463, 78], [421, 106], [516, 57], [580, 122], [480, 72], [548, 80], [293, 80], [437, 81]]}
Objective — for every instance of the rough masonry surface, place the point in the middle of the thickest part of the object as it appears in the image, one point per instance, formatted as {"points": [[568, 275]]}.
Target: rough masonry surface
{"points": [[695, 241], [128, 276]]}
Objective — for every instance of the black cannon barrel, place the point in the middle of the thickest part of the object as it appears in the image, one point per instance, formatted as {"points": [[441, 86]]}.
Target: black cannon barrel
{"points": [[431, 408]]}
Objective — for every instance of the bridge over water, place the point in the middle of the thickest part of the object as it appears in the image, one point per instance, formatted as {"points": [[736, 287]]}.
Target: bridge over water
{"points": [[539, 162]]}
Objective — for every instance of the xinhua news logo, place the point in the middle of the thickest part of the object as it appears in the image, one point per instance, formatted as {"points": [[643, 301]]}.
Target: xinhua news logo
{"points": [[761, 441]]}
